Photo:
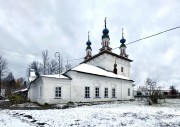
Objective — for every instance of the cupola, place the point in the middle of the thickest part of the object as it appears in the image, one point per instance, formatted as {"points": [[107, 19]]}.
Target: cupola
{"points": [[123, 46], [88, 49], [105, 39]]}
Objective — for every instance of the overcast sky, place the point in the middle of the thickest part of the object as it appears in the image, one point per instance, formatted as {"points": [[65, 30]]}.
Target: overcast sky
{"points": [[29, 26]]}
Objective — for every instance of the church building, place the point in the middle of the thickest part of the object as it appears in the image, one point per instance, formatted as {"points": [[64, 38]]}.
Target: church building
{"points": [[101, 77]]}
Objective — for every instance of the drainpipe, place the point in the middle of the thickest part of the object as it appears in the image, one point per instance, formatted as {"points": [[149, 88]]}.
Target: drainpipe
{"points": [[121, 89], [70, 91], [133, 90]]}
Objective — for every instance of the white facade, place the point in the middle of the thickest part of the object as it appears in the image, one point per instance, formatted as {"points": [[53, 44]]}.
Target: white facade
{"points": [[106, 61], [81, 80], [43, 88], [102, 77]]}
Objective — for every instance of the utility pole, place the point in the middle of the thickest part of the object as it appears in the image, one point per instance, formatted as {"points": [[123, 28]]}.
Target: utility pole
{"points": [[57, 54]]}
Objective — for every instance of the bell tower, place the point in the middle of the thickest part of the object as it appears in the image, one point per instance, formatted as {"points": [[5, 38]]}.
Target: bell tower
{"points": [[123, 46], [88, 49], [105, 39]]}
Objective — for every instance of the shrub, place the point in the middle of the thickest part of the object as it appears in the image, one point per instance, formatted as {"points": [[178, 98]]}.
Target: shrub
{"points": [[16, 99]]}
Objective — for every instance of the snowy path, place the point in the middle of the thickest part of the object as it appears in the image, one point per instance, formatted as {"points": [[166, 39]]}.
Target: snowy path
{"points": [[8, 120], [129, 114]]}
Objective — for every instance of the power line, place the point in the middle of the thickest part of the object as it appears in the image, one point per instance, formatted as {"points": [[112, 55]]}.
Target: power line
{"points": [[150, 36], [75, 59], [112, 49]]}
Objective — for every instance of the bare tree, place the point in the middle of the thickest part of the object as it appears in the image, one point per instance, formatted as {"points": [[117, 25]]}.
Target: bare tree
{"points": [[67, 66], [60, 62], [53, 67], [10, 84], [45, 59], [20, 83], [153, 90], [36, 66], [61, 65], [3, 67], [48, 65]]}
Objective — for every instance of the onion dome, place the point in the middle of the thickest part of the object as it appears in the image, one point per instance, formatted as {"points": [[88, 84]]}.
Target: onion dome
{"points": [[122, 40], [105, 31], [88, 43]]}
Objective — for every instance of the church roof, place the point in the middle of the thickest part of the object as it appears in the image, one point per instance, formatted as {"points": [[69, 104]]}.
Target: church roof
{"points": [[89, 69], [56, 76], [110, 53]]}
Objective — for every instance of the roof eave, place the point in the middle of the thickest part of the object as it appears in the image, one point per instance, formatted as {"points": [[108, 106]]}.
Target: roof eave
{"points": [[107, 53], [58, 78], [103, 75]]}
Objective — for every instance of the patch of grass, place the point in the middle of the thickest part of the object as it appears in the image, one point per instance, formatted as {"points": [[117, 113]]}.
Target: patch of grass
{"points": [[16, 99]]}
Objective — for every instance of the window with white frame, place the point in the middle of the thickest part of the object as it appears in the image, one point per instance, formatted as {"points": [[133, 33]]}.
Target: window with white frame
{"points": [[113, 92], [105, 92], [129, 92], [97, 92], [87, 92], [58, 92], [40, 91]]}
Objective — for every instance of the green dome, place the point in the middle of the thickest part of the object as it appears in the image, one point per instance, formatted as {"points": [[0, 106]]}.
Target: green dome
{"points": [[105, 36], [122, 45], [88, 47]]}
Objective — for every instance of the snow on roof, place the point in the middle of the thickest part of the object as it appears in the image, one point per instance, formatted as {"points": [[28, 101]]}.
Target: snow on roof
{"points": [[86, 68], [22, 90], [55, 76]]}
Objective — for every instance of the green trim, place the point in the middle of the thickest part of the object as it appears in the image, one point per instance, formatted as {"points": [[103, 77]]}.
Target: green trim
{"points": [[88, 47], [105, 36], [122, 45]]}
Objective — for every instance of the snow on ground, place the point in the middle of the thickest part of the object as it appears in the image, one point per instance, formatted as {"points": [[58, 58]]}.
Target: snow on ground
{"points": [[7, 120], [116, 114]]}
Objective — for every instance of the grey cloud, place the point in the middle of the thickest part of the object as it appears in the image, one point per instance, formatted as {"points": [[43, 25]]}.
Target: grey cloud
{"points": [[56, 25]]}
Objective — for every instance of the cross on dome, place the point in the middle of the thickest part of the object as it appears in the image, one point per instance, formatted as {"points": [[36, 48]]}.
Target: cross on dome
{"points": [[122, 33], [105, 21]]}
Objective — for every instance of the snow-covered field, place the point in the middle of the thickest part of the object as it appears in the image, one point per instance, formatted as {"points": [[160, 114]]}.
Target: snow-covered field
{"points": [[117, 114]]}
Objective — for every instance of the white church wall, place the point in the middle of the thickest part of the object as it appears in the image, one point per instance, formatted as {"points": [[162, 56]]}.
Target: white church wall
{"points": [[43, 90], [33, 92], [82, 80], [107, 61], [74, 90], [126, 85], [49, 86]]}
